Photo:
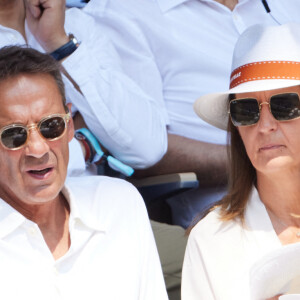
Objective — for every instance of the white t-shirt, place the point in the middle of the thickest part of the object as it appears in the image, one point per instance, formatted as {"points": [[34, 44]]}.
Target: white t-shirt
{"points": [[112, 254]]}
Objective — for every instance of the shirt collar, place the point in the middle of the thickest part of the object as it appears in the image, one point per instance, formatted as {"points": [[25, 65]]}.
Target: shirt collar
{"points": [[10, 219], [255, 214], [80, 211], [166, 5], [258, 221]]}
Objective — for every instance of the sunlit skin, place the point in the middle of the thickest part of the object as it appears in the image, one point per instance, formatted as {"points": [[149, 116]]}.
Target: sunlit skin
{"points": [[26, 99], [274, 149], [272, 146], [12, 15]]}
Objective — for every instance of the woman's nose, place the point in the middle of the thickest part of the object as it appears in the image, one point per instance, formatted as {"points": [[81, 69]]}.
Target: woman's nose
{"points": [[266, 122]]}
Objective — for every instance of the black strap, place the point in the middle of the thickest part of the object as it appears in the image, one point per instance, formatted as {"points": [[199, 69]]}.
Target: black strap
{"points": [[66, 49]]}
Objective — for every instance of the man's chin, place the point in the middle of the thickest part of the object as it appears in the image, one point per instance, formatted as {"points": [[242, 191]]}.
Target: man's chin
{"points": [[43, 194]]}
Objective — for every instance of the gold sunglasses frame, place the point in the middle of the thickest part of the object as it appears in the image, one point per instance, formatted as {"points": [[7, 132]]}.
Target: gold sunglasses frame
{"points": [[259, 107], [66, 117]]}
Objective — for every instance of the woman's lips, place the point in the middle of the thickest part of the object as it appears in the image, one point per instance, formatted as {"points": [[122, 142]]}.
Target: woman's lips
{"points": [[270, 147]]}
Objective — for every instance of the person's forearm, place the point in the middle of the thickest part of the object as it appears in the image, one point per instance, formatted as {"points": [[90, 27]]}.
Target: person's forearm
{"points": [[208, 161], [126, 121], [122, 117]]}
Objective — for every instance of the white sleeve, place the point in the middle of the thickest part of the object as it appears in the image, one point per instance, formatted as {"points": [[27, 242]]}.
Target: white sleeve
{"points": [[77, 165], [133, 46], [195, 280], [125, 120]]}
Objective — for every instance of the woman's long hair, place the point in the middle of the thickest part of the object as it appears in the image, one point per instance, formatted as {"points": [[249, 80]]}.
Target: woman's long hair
{"points": [[241, 178]]}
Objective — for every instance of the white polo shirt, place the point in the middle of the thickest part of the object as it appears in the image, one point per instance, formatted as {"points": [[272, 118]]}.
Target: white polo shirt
{"points": [[112, 254], [178, 50]]}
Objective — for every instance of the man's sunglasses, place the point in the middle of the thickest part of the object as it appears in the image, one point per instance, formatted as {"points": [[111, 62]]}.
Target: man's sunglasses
{"points": [[246, 111], [51, 128]]}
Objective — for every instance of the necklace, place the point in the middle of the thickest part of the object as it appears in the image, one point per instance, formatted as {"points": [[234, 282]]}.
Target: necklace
{"points": [[297, 233]]}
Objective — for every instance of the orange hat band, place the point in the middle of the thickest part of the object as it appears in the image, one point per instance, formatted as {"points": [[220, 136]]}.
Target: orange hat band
{"points": [[265, 70]]}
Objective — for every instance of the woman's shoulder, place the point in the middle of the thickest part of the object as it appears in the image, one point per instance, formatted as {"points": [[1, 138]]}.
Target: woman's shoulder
{"points": [[212, 225]]}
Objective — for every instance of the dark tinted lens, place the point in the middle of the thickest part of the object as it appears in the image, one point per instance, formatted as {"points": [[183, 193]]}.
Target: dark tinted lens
{"points": [[285, 106], [14, 137], [52, 128], [244, 111]]}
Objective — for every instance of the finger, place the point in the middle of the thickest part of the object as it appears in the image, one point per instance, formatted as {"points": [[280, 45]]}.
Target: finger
{"points": [[53, 3], [33, 7]]}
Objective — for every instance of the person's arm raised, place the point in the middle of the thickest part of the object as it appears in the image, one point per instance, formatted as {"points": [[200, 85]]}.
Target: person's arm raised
{"points": [[46, 20]]}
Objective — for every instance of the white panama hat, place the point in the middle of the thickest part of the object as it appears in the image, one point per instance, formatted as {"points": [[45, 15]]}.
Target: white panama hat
{"points": [[264, 58]]}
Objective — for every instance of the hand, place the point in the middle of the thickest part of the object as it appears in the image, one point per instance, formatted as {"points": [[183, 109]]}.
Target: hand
{"points": [[46, 20]]}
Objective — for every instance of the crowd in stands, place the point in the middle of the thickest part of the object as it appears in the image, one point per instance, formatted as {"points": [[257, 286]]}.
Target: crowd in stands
{"points": [[95, 93]]}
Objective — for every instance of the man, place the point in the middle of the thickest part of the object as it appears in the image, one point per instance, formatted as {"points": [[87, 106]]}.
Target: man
{"points": [[112, 105], [87, 238], [178, 50], [95, 82]]}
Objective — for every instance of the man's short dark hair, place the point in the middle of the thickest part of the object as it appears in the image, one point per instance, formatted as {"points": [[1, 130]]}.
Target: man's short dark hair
{"points": [[17, 60]]}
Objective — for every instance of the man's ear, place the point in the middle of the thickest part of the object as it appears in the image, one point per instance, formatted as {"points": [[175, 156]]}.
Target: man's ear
{"points": [[70, 127]]}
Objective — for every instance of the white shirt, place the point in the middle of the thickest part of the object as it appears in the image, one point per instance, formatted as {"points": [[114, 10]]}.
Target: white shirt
{"points": [[126, 121], [112, 254], [178, 50], [219, 255]]}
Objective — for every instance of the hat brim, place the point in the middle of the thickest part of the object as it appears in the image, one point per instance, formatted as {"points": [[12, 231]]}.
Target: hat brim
{"points": [[213, 108]]}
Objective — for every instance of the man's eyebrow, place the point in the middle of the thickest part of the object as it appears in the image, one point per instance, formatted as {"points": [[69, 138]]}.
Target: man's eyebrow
{"points": [[6, 122]]}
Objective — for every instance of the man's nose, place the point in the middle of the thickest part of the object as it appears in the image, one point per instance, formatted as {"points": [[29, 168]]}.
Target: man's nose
{"points": [[36, 145]]}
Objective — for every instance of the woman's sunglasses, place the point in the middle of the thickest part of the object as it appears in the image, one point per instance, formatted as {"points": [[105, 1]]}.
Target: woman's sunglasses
{"points": [[246, 111], [15, 136]]}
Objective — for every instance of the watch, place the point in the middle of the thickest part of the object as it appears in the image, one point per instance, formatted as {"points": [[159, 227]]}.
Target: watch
{"points": [[66, 49]]}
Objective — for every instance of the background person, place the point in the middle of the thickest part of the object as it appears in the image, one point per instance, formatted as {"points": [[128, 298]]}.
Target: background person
{"points": [[86, 238], [111, 104], [177, 50], [261, 212]]}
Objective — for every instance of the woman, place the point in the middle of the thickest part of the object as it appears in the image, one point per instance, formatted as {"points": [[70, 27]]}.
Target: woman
{"points": [[261, 212]]}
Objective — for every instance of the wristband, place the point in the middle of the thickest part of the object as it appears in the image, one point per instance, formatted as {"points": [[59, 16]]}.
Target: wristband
{"points": [[113, 163], [66, 49], [80, 137], [96, 150]]}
